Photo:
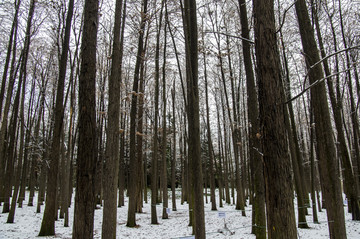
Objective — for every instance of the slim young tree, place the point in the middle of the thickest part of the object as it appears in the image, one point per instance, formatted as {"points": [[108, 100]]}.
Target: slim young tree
{"points": [[164, 133], [154, 159]]}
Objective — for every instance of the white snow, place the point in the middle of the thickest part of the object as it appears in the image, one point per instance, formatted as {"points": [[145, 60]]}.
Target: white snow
{"points": [[27, 224]]}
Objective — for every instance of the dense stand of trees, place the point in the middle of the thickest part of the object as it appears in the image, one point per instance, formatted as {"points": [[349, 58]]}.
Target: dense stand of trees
{"points": [[255, 103]]}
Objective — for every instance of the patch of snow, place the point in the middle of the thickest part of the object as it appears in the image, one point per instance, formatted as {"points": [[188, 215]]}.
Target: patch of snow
{"points": [[231, 224]]}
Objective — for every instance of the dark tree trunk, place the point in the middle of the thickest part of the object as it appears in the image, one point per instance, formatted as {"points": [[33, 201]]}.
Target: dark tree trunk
{"points": [[191, 41], [86, 158], [324, 134], [353, 106], [254, 129], [350, 182], [13, 122], [139, 132], [312, 162], [173, 160], [48, 222], [5, 114], [20, 156], [111, 167], [164, 133], [123, 120], [27, 150], [133, 170], [277, 166], [326, 149], [209, 143], [296, 158], [154, 159]]}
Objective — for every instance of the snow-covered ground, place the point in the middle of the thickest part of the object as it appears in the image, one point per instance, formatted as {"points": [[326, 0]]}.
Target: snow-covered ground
{"points": [[27, 224]]}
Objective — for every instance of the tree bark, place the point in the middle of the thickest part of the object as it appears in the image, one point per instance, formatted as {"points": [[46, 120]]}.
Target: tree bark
{"points": [[323, 128], [173, 160], [86, 158], [111, 166], [277, 167], [256, 165], [133, 170], [191, 41], [164, 133], [350, 182], [48, 222], [154, 159]]}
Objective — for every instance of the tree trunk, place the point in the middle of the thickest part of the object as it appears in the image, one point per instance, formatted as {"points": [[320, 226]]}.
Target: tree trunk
{"points": [[277, 167], [86, 158], [353, 107], [173, 160], [191, 41], [154, 159], [5, 115], [48, 222], [164, 133], [111, 167], [133, 170], [20, 156], [254, 129], [312, 162], [209, 143], [323, 128], [350, 182]]}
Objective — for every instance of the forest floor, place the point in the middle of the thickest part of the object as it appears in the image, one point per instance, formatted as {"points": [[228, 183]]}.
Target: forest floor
{"points": [[27, 224]]}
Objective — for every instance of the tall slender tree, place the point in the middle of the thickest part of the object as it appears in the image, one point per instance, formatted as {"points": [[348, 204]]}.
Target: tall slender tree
{"points": [[111, 166], [133, 170], [254, 128], [86, 156], [164, 133], [191, 41], [48, 222], [154, 159]]}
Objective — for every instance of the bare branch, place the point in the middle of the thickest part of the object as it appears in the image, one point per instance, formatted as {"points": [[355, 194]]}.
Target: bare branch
{"points": [[316, 83], [321, 80], [283, 19], [229, 35]]}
